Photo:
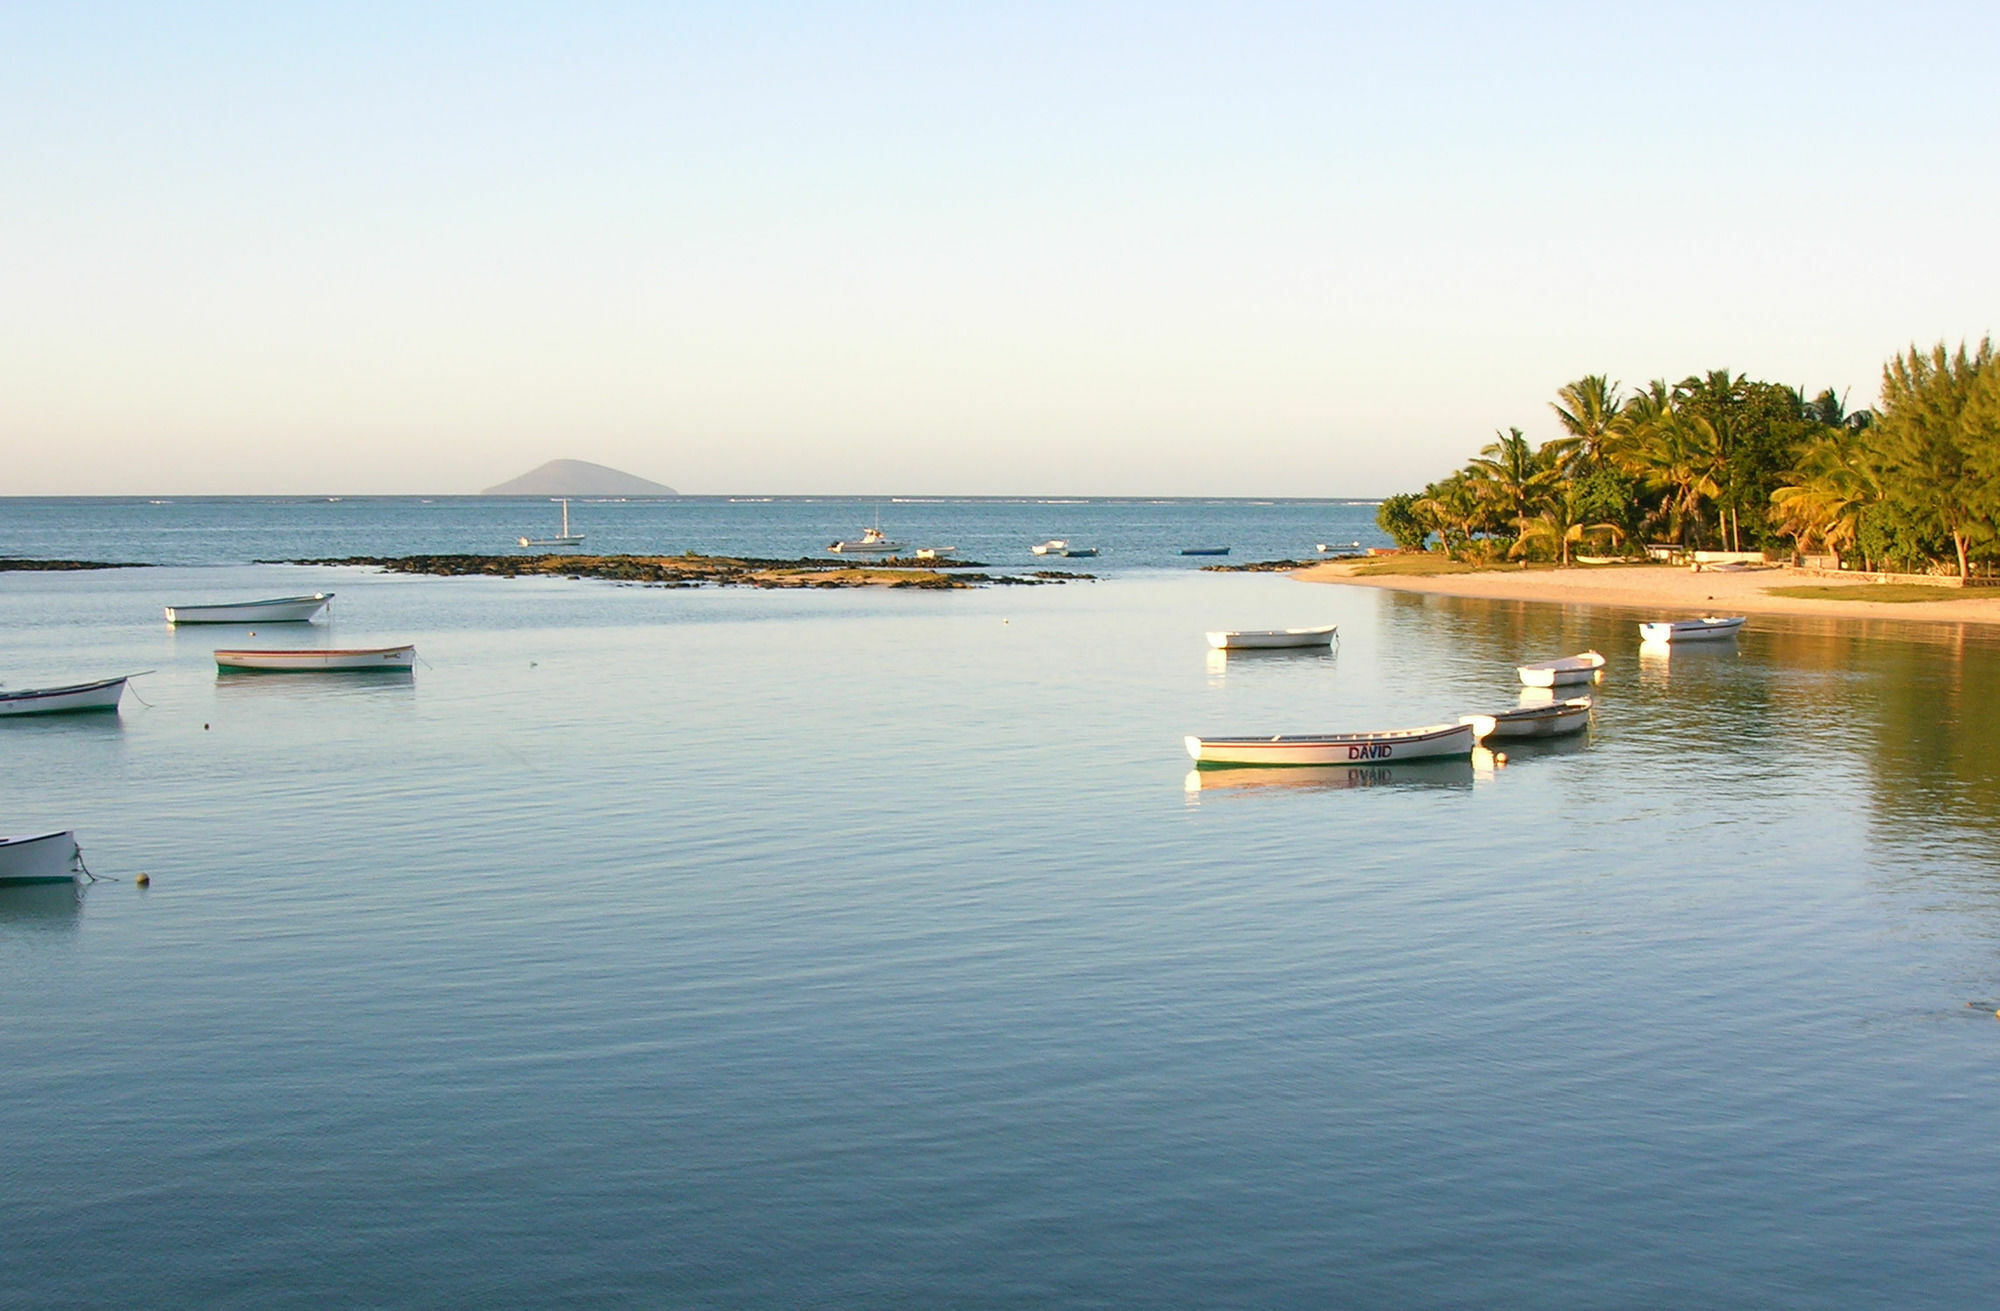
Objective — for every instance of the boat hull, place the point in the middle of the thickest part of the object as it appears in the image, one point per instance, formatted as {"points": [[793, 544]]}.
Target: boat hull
{"points": [[1558, 719], [1271, 639], [1437, 741], [39, 858], [1204, 550], [1566, 672], [282, 610], [392, 658], [64, 700], [1691, 630], [552, 541]]}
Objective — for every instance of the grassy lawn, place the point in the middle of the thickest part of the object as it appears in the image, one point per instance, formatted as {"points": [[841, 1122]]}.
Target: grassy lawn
{"points": [[1898, 593], [1419, 566]]}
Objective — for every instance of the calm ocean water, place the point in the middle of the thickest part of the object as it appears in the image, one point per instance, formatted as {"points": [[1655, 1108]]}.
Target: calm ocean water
{"points": [[749, 949]]}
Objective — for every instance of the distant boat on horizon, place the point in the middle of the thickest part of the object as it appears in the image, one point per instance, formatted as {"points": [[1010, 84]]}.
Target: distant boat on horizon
{"points": [[564, 538]]}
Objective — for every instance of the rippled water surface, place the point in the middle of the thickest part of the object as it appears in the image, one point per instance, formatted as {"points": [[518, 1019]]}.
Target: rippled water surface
{"points": [[714, 948]]}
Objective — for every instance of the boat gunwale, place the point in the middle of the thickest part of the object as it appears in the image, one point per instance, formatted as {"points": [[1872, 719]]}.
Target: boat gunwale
{"points": [[32, 693], [1591, 659], [1332, 739], [241, 605]]}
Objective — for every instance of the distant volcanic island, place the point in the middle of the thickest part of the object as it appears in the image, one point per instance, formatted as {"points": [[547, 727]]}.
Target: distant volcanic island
{"points": [[578, 478]]}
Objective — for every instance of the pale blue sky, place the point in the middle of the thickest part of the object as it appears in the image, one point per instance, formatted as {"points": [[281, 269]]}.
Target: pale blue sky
{"points": [[1242, 249]]}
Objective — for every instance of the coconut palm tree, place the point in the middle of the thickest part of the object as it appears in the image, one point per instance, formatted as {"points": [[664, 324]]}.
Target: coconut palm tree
{"points": [[1588, 411], [1679, 456], [1824, 497], [1510, 477]]}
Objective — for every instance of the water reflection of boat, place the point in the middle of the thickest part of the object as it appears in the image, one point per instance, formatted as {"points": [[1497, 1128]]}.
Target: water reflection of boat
{"points": [[1531, 748], [47, 905], [1447, 774], [240, 683]]}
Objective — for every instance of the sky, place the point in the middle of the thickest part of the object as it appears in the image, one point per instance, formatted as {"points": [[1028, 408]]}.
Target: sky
{"points": [[1148, 249]]}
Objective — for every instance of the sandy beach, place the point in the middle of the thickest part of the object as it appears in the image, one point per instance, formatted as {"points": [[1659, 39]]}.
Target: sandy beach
{"points": [[1674, 591]]}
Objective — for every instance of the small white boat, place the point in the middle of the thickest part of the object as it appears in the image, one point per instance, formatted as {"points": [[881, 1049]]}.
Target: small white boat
{"points": [[101, 695], [1054, 546], [564, 538], [361, 658], [1579, 668], [277, 610], [872, 542], [1553, 719], [936, 552], [1328, 548], [1707, 629], [40, 858], [1261, 639], [1342, 748]]}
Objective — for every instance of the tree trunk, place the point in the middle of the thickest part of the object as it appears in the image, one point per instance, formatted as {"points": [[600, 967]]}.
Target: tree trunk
{"points": [[1958, 541]]}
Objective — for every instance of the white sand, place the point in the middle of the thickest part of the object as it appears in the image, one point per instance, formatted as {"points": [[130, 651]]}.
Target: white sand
{"points": [[1676, 592]]}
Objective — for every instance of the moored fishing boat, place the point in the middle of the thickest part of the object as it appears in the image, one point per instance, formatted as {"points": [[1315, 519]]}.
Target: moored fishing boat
{"points": [[1054, 546], [40, 858], [1261, 639], [1552, 719], [1707, 629], [873, 542], [1434, 741], [1579, 668], [101, 695], [1204, 550], [277, 610], [358, 658]]}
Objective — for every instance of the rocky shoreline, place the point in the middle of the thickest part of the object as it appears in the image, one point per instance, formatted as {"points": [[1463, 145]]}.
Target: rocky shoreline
{"points": [[692, 570], [16, 564], [1269, 566]]}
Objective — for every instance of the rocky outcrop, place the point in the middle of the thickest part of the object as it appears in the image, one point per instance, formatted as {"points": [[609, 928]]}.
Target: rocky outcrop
{"points": [[693, 570]]}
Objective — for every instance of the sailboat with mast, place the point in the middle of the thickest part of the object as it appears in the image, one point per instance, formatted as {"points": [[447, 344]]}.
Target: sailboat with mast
{"points": [[565, 538]]}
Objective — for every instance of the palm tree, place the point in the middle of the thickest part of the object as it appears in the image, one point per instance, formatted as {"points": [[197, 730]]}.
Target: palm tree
{"points": [[1679, 455], [1509, 477], [1824, 497], [1451, 509], [1588, 410], [1716, 397]]}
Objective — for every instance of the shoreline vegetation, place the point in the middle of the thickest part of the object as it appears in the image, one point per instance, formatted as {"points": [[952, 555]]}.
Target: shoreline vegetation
{"points": [[1721, 462], [693, 570]]}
